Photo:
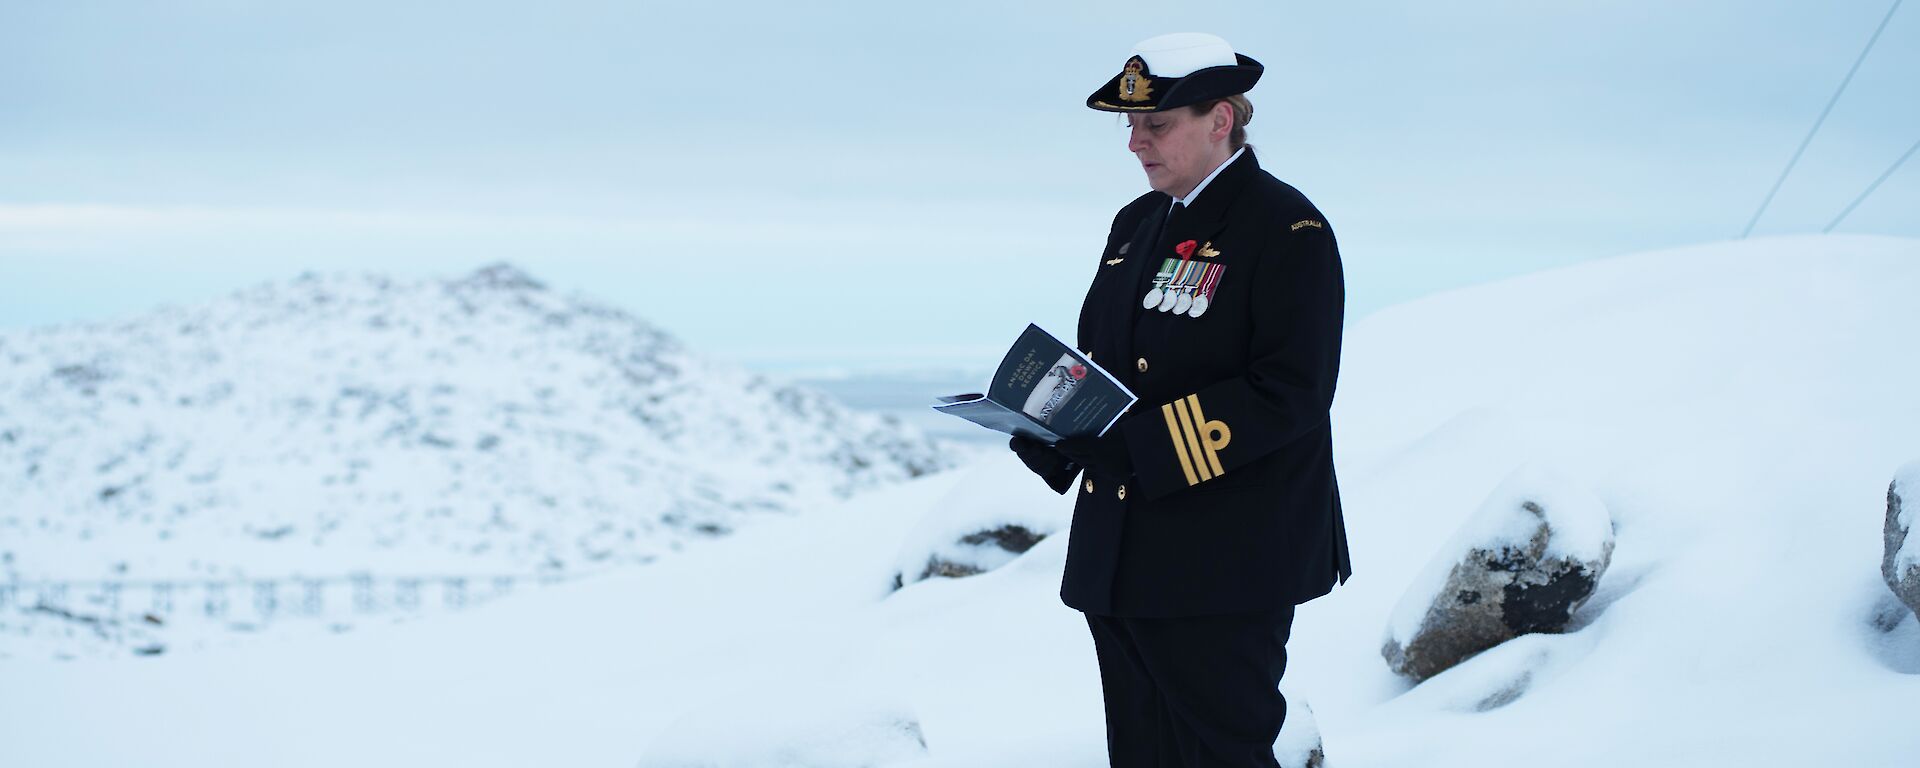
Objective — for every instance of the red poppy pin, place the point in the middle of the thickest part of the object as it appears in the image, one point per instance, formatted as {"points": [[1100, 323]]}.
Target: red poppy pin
{"points": [[1078, 371], [1185, 249]]}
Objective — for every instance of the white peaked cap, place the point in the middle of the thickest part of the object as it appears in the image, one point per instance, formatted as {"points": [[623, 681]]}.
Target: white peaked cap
{"points": [[1181, 53], [1173, 71]]}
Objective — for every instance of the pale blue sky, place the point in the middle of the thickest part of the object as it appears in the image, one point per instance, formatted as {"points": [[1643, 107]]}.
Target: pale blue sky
{"points": [[833, 183]]}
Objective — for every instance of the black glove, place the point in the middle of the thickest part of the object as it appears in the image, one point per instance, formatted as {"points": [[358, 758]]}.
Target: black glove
{"points": [[1104, 455], [1044, 461], [1038, 456]]}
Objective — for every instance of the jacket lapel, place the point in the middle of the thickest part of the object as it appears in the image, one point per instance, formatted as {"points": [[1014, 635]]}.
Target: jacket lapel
{"points": [[1208, 214], [1199, 222], [1120, 309]]}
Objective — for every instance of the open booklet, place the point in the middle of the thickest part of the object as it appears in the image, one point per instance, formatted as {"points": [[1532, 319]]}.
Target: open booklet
{"points": [[1044, 390]]}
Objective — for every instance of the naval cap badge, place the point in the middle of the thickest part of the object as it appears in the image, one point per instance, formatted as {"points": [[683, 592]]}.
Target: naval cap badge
{"points": [[1135, 86]]}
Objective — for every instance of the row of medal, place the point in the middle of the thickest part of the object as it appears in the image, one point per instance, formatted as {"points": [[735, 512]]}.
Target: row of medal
{"points": [[1183, 287]]}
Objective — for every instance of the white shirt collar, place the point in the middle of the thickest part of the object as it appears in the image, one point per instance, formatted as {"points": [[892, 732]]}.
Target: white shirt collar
{"points": [[1188, 200]]}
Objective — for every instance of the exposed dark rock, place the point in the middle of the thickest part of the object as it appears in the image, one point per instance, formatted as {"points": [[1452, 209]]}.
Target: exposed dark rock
{"points": [[1012, 538], [501, 275], [1900, 565], [947, 569], [1501, 588], [1009, 538], [82, 377]]}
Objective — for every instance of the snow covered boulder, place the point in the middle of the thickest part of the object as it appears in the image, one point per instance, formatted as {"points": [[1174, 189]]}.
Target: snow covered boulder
{"points": [[1525, 561], [991, 516], [1901, 565], [1298, 745]]}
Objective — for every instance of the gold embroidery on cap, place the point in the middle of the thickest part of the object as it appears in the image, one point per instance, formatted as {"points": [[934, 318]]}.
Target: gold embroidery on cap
{"points": [[1306, 223], [1134, 86]]}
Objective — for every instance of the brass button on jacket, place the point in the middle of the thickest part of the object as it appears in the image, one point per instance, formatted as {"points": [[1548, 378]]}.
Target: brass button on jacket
{"points": [[1123, 493], [1089, 485], [1141, 365]]}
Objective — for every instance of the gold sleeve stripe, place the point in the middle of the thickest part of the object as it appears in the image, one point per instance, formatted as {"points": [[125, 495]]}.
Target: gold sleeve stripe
{"points": [[1179, 445], [1193, 440], [1196, 440], [1214, 435]]}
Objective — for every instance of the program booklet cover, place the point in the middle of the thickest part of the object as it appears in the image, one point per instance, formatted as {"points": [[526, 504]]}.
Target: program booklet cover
{"points": [[1044, 390]]}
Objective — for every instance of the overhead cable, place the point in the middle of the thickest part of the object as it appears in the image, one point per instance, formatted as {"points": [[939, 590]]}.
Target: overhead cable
{"points": [[1816, 123]]}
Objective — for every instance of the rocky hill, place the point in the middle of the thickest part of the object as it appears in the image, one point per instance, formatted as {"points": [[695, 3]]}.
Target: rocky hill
{"points": [[331, 423]]}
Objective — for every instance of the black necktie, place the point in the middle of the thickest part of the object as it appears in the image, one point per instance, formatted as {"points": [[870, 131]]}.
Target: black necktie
{"points": [[1167, 225]]}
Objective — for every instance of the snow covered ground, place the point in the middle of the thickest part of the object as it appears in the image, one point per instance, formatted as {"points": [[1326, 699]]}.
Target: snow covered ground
{"points": [[333, 422], [1738, 408], [271, 447]]}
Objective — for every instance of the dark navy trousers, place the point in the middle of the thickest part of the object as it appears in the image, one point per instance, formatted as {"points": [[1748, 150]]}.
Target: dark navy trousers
{"points": [[1193, 691]]}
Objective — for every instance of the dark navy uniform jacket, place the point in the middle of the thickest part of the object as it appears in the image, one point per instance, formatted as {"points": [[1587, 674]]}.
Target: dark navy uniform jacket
{"points": [[1232, 505]]}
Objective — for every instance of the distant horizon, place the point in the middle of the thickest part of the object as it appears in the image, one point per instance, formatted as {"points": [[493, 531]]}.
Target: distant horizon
{"points": [[939, 363], [866, 181]]}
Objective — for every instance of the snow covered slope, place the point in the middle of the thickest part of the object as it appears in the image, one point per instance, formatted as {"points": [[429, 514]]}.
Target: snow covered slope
{"points": [[1739, 408], [333, 423]]}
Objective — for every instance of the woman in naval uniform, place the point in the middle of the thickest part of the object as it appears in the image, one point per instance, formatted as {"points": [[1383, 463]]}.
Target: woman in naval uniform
{"points": [[1211, 509]]}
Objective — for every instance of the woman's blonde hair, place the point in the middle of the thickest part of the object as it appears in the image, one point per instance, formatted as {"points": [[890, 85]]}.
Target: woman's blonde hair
{"points": [[1242, 114]]}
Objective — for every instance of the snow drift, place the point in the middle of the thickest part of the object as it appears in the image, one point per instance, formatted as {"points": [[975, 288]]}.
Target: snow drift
{"points": [[1737, 408]]}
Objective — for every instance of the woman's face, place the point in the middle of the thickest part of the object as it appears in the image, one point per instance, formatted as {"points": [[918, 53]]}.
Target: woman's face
{"points": [[1178, 148]]}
